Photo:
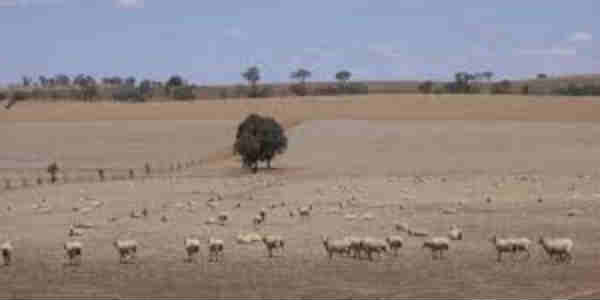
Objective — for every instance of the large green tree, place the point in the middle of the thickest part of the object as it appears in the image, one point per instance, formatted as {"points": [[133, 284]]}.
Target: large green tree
{"points": [[259, 139]]}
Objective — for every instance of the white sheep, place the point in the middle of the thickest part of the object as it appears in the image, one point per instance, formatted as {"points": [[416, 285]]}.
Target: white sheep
{"points": [[248, 238], [503, 245], [372, 245], [73, 250], [215, 249], [437, 244], [7, 249], [273, 242], [223, 217], [305, 210], [560, 247], [395, 242], [355, 247], [258, 219], [73, 231], [192, 247], [455, 233], [127, 250], [417, 232], [335, 246], [522, 244]]}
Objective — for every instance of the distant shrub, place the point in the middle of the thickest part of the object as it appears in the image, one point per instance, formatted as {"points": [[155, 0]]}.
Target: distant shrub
{"points": [[183, 93], [53, 171], [3, 96], [299, 89], [20, 95], [328, 90], [356, 88], [127, 94], [426, 87], [502, 87], [542, 76], [525, 90], [439, 90], [264, 92], [575, 90]]}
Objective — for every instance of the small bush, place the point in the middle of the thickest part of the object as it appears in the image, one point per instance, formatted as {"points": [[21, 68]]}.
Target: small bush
{"points": [[525, 90], [127, 94], [3, 96], [20, 95], [328, 90], [183, 93], [299, 89], [357, 88], [426, 87], [53, 170], [264, 92]]}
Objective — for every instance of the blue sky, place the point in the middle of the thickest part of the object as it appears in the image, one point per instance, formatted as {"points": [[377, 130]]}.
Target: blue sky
{"points": [[210, 42]]}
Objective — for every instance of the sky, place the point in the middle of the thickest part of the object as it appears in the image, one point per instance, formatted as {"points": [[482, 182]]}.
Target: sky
{"points": [[212, 42]]}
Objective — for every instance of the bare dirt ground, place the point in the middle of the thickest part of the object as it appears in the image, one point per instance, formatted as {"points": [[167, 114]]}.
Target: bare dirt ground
{"points": [[513, 153]]}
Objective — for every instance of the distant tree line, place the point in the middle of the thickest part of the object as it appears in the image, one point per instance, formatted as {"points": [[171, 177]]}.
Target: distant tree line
{"points": [[128, 89]]}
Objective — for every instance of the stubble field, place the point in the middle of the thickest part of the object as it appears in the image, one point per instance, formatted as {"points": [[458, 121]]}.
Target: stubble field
{"points": [[361, 152]]}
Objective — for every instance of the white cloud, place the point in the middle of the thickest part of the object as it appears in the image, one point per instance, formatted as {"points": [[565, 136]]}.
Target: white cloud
{"points": [[580, 37], [130, 3], [551, 51]]}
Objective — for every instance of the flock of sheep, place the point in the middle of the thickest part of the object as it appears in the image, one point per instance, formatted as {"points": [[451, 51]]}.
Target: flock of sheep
{"points": [[558, 249]]}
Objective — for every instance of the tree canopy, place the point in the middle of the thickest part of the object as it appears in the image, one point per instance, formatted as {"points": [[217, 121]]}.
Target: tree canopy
{"points": [[259, 139]]}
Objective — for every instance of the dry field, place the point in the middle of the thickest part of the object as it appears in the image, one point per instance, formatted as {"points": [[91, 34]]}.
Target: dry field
{"points": [[513, 150]]}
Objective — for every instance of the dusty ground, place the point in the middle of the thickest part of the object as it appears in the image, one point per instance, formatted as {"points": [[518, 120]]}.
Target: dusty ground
{"points": [[372, 155]]}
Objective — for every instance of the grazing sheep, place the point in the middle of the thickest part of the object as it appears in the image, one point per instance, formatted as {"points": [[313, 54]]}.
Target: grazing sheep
{"points": [[134, 214], [223, 217], [273, 242], [248, 238], [455, 233], [522, 245], [372, 245], [403, 227], [558, 247], [449, 211], [215, 249], [437, 244], [367, 217], [127, 250], [257, 220], [355, 247], [305, 210], [83, 225], [503, 245], [395, 242], [75, 231], [192, 247], [417, 232], [7, 249], [335, 246], [73, 250]]}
